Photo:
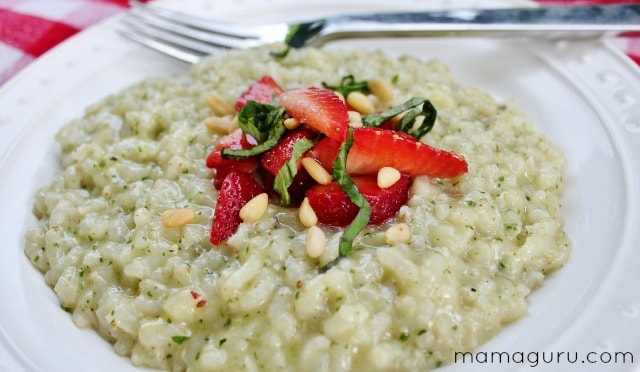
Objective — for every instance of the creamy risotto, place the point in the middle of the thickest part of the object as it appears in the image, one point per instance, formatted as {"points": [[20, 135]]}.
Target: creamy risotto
{"points": [[165, 296]]}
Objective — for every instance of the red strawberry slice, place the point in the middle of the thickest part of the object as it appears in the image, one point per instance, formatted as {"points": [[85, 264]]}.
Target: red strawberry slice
{"points": [[236, 190], [236, 140], [275, 158], [262, 91], [319, 108], [333, 207], [374, 148]]}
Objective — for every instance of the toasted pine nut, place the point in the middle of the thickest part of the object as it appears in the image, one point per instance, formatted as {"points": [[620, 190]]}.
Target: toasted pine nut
{"points": [[355, 119], [291, 123], [219, 125], [177, 217], [360, 103], [397, 233], [218, 106], [381, 88], [316, 242], [387, 177], [316, 171], [306, 214], [255, 208]]}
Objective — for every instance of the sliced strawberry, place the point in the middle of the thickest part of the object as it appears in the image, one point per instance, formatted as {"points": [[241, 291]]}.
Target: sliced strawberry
{"points": [[333, 207], [374, 148], [275, 158], [262, 91], [319, 108], [325, 152], [236, 140], [236, 190]]}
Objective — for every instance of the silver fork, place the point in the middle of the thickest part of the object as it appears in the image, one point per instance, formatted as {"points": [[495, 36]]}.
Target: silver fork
{"points": [[190, 38]]}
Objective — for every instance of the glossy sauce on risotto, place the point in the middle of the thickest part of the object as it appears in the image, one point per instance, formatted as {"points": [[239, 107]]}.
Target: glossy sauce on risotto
{"points": [[165, 296]]}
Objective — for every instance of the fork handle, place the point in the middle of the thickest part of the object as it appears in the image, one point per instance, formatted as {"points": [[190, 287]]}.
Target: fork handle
{"points": [[574, 21]]}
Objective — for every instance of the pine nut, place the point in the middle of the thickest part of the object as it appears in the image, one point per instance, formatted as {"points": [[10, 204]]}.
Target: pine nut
{"points": [[306, 214], [381, 88], [316, 242], [387, 177], [291, 123], [255, 208], [398, 233], [219, 125], [355, 119], [177, 217], [316, 171], [360, 103], [218, 106]]}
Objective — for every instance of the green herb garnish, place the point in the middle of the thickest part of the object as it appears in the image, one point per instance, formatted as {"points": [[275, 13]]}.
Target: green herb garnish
{"points": [[413, 109], [179, 339], [254, 119], [511, 226], [284, 177], [265, 123], [349, 84], [341, 176]]}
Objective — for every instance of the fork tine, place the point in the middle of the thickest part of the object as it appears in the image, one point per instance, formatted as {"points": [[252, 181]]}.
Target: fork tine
{"points": [[194, 27], [178, 34], [175, 34], [188, 37], [163, 46]]}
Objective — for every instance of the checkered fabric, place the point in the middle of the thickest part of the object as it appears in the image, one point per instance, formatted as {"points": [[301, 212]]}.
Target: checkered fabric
{"points": [[29, 28]]}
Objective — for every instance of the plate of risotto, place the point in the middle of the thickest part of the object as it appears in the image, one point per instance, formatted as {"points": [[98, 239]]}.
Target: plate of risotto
{"points": [[382, 204]]}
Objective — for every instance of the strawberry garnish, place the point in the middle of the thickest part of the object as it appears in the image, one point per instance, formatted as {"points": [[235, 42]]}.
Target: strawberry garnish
{"points": [[236, 190], [263, 91], [269, 157], [374, 148], [319, 108], [275, 158], [333, 207], [236, 140]]}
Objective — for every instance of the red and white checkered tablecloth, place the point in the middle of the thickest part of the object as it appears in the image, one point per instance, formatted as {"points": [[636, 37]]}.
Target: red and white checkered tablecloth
{"points": [[28, 28]]}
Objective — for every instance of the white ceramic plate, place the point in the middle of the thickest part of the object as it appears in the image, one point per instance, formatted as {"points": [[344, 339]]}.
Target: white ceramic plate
{"points": [[584, 96]]}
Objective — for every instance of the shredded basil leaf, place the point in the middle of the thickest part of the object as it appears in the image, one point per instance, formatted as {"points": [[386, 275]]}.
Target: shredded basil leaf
{"points": [[349, 84], [413, 108], [281, 54], [269, 126], [254, 119], [179, 339], [284, 177], [341, 176], [330, 265]]}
